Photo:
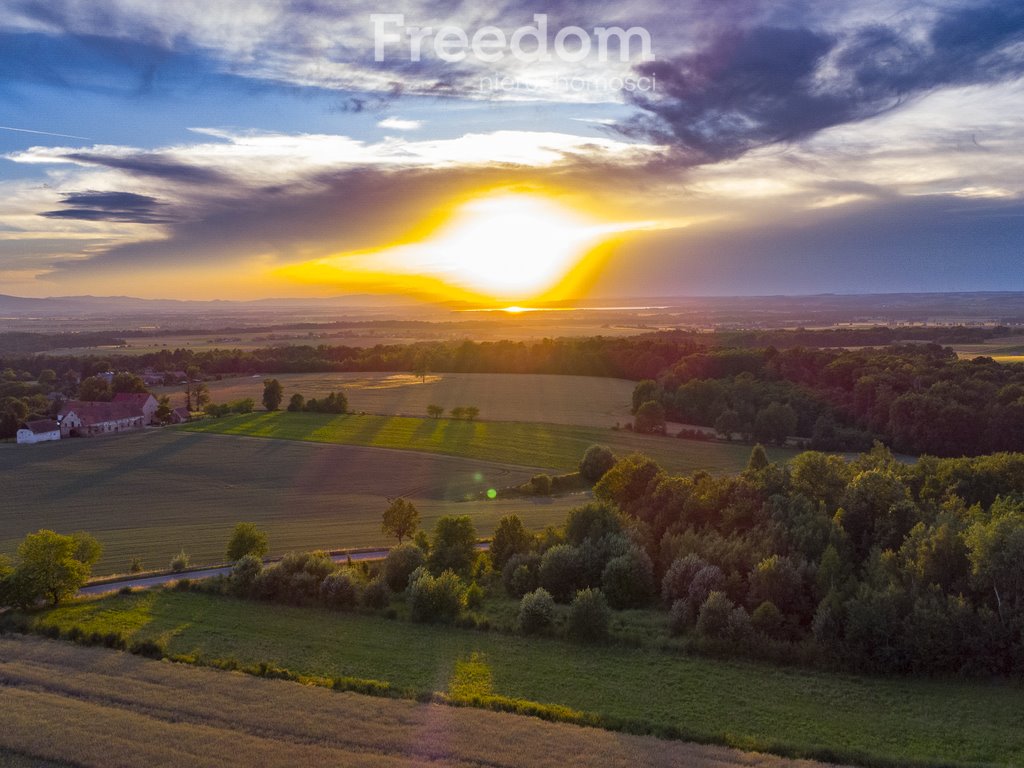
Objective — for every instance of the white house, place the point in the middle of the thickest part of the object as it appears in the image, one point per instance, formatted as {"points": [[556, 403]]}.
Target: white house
{"points": [[39, 431]]}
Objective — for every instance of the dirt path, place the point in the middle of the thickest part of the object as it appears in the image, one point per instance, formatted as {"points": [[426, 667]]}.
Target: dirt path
{"points": [[96, 707]]}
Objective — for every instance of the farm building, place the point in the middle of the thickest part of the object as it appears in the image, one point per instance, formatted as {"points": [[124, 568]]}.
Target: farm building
{"points": [[38, 432], [79, 418], [180, 415], [144, 400]]}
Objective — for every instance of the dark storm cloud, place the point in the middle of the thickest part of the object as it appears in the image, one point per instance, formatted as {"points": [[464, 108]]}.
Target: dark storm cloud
{"points": [[769, 84], [110, 206]]}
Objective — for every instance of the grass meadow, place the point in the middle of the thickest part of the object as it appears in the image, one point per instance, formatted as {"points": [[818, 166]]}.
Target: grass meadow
{"points": [[152, 494], [515, 443], [790, 711], [578, 400], [121, 710]]}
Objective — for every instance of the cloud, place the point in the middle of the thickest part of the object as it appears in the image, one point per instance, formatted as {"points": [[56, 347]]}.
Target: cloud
{"points": [[769, 84], [109, 206], [398, 124]]}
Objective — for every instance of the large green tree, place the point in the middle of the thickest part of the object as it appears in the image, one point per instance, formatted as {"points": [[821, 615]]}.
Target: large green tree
{"points": [[52, 566], [273, 394], [401, 519]]}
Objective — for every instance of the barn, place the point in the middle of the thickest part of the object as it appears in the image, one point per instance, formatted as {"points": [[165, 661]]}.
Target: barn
{"points": [[82, 418]]}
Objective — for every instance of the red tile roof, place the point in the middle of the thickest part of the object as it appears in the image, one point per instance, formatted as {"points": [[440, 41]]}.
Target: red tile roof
{"points": [[42, 426]]}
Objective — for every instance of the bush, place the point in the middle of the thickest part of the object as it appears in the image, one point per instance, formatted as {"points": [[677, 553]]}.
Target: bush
{"points": [[296, 579], [246, 539], [439, 598], [540, 485], [474, 597], [628, 580], [245, 573], [297, 403], [589, 617], [340, 590], [376, 594], [536, 612], [680, 617], [180, 562], [596, 461], [715, 612], [519, 575], [560, 572], [400, 563], [676, 583], [136, 565]]}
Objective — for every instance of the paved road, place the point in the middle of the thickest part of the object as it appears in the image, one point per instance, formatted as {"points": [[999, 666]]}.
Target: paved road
{"points": [[145, 582]]}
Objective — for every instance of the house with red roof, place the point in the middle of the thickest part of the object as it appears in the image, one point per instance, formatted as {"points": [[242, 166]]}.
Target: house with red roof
{"points": [[83, 418], [143, 400]]}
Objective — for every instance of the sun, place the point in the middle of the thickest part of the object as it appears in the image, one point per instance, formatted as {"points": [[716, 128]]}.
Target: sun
{"points": [[512, 246], [502, 247]]}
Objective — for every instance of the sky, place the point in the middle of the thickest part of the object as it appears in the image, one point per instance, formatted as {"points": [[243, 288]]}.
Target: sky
{"points": [[231, 149]]}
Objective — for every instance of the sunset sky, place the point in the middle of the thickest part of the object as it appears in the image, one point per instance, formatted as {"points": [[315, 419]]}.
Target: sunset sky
{"points": [[230, 149]]}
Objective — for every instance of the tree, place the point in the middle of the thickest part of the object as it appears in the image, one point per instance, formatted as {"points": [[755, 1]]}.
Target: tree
{"points": [[643, 392], [458, 412], [297, 403], [589, 617], [775, 423], [47, 377], [592, 521], [628, 580], [596, 461], [536, 612], [127, 382], [758, 459], [196, 393], [560, 572], [94, 389], [728, 424], [996, 548], [163, 409], [626, 482], [273, 394], [400, 564], [440, 598], [53, 566], [435, 411], [472, 412], [453, 546], [650, 418], [510, 538], [401, 519], [246, 539]]}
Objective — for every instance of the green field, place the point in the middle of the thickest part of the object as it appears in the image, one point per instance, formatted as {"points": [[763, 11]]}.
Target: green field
{"points": [[856, 719], [524, 444], [579, 400], [151, 494]]}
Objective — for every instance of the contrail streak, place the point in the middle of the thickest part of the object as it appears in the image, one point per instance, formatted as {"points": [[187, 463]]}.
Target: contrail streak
{"points": [[44, 133]]}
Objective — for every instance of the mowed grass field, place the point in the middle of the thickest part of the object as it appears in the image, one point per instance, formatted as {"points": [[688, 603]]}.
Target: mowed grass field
{"points": [[577, 400], [526, 444], [152, 494], [858, 719], [121, 710]]}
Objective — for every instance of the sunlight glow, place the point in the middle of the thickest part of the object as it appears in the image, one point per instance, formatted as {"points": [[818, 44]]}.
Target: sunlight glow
{"points": [[499, 247]]}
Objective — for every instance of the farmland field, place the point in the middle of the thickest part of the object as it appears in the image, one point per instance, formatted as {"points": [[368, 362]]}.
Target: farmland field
{"points": [[896, 721], [580, 400], [1003, 349], [549, 445], [153, 493], [121, 710]]}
